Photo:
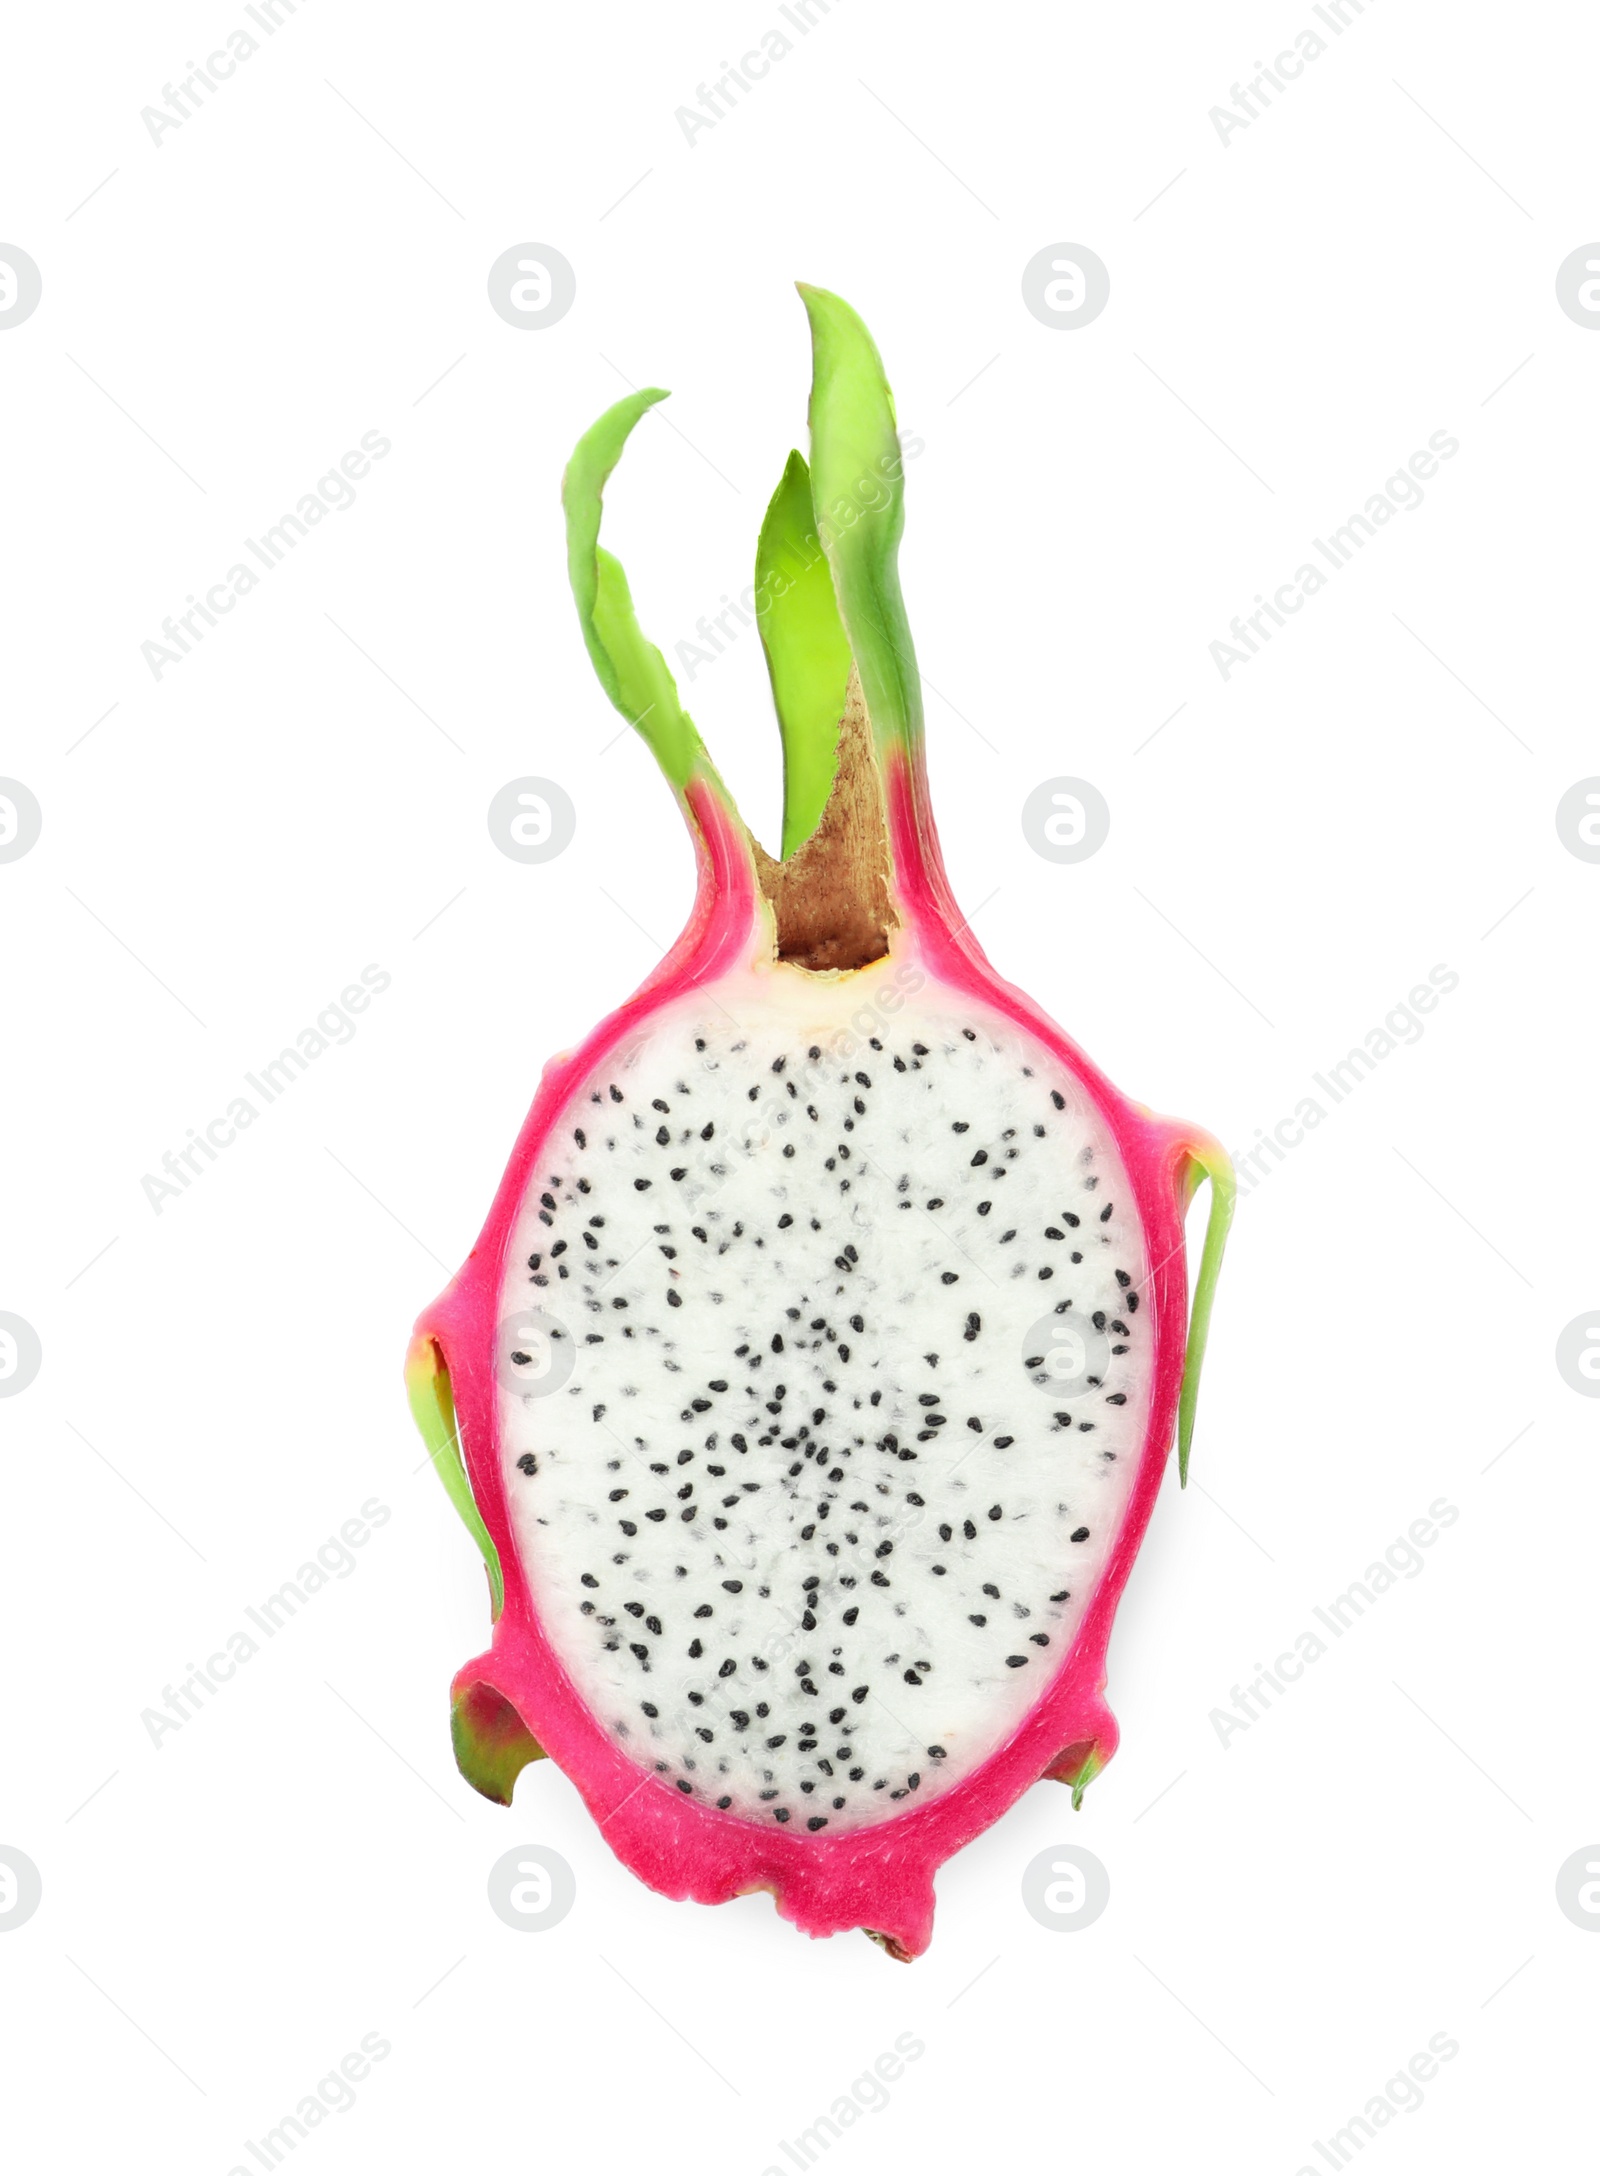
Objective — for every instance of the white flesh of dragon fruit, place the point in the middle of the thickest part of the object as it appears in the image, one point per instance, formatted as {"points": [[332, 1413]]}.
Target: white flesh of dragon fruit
{"points": [[805, 1529]]}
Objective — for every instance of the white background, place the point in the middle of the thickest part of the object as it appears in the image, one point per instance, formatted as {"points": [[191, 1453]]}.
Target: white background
{"points": [[1371, 261]]}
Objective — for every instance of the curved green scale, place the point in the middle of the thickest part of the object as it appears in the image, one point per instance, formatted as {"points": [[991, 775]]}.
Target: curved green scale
{"points": [[808, 657], [631, 669], [857, 491], [433, 1408], [1212, 1162]]}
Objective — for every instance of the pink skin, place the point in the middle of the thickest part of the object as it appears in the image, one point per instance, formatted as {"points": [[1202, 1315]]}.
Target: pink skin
{"points": [[881, 1877]]}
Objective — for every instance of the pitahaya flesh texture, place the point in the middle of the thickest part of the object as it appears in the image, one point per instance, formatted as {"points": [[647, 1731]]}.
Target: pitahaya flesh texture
{"points": [[810, 1385]]}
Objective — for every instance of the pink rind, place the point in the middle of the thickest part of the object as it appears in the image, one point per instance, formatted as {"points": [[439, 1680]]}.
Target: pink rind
{"points": [[879, 1878]]}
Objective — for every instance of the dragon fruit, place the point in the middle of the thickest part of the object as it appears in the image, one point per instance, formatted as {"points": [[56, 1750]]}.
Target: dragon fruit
{"points": [[809, 1388]]}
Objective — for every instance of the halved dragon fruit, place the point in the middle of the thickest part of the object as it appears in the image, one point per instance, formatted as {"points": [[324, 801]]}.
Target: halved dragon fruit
{"points": [[816, 1368]]}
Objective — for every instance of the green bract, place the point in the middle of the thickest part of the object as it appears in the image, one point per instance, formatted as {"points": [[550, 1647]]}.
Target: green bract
{"points": [[827, 593]]}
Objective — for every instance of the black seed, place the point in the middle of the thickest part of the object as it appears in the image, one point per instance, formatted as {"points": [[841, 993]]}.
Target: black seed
{"points": [[860, 1694], [528, 1463], [1015, 1662], [733, 1586]]}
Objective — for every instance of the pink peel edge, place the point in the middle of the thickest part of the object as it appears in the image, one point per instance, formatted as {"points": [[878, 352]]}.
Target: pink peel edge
{"points": [[879, 1878]]}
